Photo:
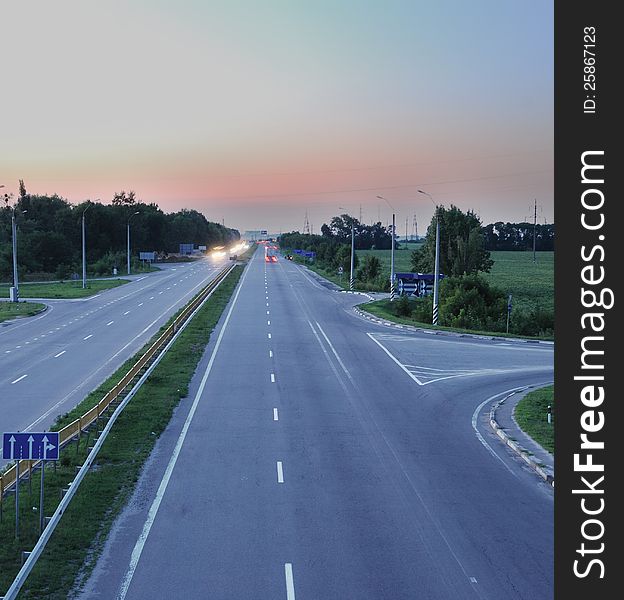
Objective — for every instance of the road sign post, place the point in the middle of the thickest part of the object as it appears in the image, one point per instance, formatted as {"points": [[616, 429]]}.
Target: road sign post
{"points": [[30, 446], [508, 311]]}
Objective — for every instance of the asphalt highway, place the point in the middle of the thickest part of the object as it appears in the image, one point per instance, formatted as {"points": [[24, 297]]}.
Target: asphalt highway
{"points": [[320, 456], [50, 362]]}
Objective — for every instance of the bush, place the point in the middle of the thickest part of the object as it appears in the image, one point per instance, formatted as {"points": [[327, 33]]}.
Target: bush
{"points": [[470, 302], [403, 307]]}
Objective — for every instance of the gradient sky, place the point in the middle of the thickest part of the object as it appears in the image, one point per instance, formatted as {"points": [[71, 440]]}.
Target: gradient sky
{"points": [[258, 111]]}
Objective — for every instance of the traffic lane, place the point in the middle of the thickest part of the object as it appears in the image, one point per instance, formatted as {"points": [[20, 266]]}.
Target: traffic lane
{"points": [[71, 322], [491, 515], [64, 368], [219, 518], [60, 312]]}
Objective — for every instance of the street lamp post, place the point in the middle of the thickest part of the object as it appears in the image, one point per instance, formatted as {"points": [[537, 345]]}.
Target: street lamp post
{"points": [[436, 275], [14, 244], [351, 274], [132, 215], [84, 249], [351, 278], [392, 285]]}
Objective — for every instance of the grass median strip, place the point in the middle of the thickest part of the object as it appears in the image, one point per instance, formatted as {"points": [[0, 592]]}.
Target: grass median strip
{"points": [[532, 416], [10, 310], [75, 545], [59, 290]]}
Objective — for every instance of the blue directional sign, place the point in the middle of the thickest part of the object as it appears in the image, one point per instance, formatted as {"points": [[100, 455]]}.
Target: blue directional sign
{"points": [[30, 446]]}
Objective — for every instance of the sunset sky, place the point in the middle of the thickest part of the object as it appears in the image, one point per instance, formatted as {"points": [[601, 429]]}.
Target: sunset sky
{"points": [[255, 112]]}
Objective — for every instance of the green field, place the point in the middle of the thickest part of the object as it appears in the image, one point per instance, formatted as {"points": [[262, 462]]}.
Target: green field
{"points": [[10, 310], [402, 258], [65, 289], [530, 283], [513, 272]]}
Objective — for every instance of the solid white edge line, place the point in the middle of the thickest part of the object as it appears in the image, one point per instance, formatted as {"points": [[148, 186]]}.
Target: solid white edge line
{"points": [[475, 415], [290, 582], [162, 488], [280, 472], [412, 376]]}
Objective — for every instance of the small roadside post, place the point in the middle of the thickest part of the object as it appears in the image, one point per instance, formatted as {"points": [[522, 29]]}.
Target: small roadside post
{"points": [[508, 311], [28, 445]]}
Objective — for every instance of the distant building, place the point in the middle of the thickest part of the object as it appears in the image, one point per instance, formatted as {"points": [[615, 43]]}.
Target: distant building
{"points": [[187, 248]]}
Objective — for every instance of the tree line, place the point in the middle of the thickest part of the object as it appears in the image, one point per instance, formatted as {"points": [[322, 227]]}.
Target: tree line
{"points": [[50, 235]]}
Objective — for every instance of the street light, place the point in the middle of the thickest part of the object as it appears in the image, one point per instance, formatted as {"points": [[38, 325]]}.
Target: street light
{"points": [[130, 217], [84, 248], [351, 275], [14, 236], [392, 251], [436, 275]]}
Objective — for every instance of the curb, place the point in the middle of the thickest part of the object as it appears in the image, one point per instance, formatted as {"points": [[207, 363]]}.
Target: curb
{"points": [[545, 474], [358, 293], [368, 316]]}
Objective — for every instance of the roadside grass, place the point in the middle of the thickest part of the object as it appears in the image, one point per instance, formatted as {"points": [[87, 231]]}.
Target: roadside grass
{"points": [[64, 289], [10, 310], [382, 309], [531, 415], [77, 542]]}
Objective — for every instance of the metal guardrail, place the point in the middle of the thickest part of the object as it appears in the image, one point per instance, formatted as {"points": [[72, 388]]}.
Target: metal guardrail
{"points": [[76, 427]]}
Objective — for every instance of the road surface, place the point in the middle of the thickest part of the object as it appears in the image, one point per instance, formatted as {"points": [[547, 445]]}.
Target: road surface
{"points": [[50, 362], [320, 456]]}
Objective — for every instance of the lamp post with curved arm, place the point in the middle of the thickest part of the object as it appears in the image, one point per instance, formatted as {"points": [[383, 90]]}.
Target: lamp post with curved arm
{"points": [[392, 288], [128, 225], [351, 274], [84, 248], [436, 275]]}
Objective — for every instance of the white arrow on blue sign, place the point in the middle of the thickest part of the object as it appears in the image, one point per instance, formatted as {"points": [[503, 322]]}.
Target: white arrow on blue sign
{"points": [[30, 446]]}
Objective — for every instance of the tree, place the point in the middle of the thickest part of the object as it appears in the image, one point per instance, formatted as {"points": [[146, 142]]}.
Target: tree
{"points": [[370, 269], [22, 189], [462, 245], [123, 199]]}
